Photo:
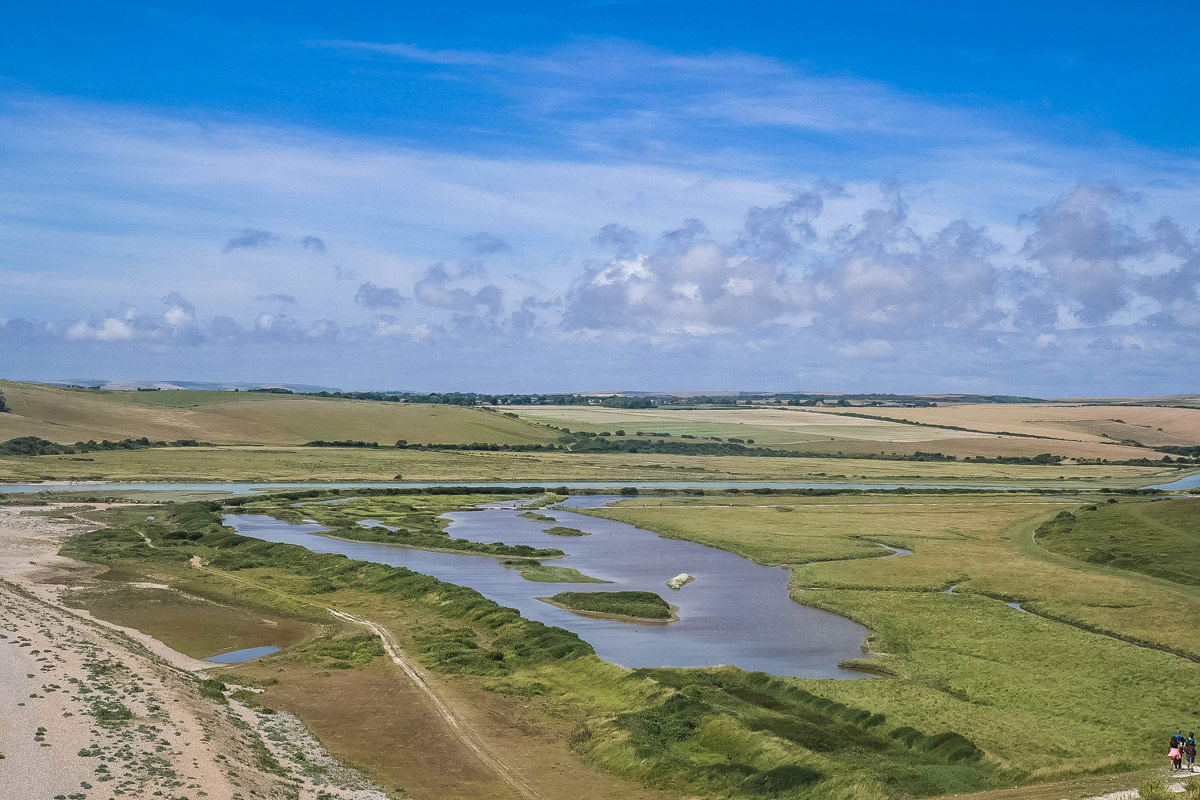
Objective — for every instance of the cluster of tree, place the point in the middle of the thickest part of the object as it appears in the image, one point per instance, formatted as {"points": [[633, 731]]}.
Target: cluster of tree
{"points": [[344, 443], [1191, 451], [484, 446], [459, 398], [617, 401], [36, 446], [1042, 459], [3, 403]]}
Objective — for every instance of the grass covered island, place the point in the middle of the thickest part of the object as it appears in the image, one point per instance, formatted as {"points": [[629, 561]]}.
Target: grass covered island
{"points": [[637, 605], [532, 570], [562, 530]]}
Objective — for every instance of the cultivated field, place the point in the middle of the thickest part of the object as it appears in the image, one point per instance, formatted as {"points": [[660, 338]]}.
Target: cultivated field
{"points": [[183, 464], [835, 430], [1151, 426], [67, 416]]}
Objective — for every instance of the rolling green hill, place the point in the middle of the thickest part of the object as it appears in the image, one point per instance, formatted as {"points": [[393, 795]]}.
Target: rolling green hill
{"points": [[70, 415]]}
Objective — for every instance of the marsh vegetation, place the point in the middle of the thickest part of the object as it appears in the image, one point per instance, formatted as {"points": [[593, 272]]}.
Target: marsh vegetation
{"points": [[639, 605]]}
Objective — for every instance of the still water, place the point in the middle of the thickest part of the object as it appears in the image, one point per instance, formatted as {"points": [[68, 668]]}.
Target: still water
{"points": [[735, 612], [238, 656]]}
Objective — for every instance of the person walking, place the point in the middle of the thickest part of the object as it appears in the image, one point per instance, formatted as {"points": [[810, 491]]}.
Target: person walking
{"points": [[1189, 750], [1175, 754]]}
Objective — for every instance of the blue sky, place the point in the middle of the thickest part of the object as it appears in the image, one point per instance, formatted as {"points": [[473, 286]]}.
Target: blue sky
{"points": [[855, 196]]}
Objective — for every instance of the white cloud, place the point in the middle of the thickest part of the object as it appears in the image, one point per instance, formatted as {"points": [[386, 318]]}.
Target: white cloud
{"points": [[109, 329]]}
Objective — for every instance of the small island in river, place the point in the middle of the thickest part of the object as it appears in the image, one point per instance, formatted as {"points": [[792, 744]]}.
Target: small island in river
{"points": [[560, 530], [532, 570], [632, 606]]}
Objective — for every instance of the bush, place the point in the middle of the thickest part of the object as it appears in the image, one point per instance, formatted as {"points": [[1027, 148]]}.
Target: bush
{"points": [[780, 780], [1154, 789]]}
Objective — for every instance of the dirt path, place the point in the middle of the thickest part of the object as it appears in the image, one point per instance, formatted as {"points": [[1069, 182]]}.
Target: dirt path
{"points": [[443, 709]]}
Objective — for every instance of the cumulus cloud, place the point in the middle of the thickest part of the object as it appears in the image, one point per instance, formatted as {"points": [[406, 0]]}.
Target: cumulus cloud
{"points": [[485, 244], [1086, 251], [882, 277], [437, 290], [620, 239], [881, 286], [693, 282], [314, 243], [109, 329], [249, 238], [370, 295]]}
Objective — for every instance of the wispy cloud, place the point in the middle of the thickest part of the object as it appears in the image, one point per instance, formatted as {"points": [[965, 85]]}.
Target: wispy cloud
{"points": [[411, 52]]}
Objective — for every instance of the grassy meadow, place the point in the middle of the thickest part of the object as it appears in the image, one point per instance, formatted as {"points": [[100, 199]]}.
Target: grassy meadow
{"points": [[1156, 539], [1028, 688], [70, 415], [251, 464]]}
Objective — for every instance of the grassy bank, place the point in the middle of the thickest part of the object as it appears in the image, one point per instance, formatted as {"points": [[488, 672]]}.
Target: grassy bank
{"points": [[1156, 539], [68, 415]]}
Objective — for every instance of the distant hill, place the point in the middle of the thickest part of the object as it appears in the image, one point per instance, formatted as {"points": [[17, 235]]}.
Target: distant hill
{"points": [[68, 415], [116, 385]]}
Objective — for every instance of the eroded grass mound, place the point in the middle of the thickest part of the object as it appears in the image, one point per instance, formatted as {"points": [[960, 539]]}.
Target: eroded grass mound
{"points": [[748, 734]]}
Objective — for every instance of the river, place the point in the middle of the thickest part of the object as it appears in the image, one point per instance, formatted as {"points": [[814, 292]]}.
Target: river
{"points": [[735, 612]]}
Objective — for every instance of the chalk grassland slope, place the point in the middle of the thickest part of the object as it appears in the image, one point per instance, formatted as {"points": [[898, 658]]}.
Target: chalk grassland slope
{"points": [[1057, 691], [182, 464], [1151, 426], [1157, 539], [67, 416], [829, 432]]}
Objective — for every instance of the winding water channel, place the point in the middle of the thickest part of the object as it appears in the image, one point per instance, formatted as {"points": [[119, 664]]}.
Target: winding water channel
{"points": [[735, 612]]}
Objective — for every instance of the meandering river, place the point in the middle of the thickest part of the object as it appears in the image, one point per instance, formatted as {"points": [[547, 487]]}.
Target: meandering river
{"points": [[735, 612]]}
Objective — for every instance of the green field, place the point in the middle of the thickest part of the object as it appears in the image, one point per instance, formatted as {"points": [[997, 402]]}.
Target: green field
{"points": [[251, 464], [69, 415], [1157, 539], [1017, 684]]}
